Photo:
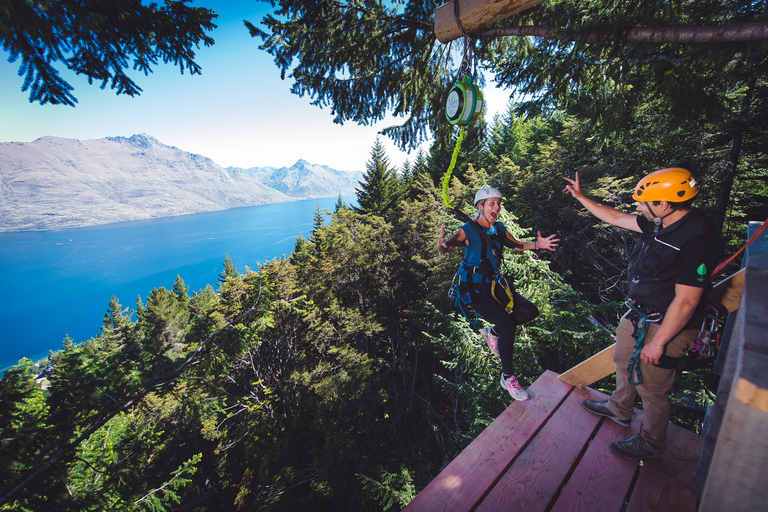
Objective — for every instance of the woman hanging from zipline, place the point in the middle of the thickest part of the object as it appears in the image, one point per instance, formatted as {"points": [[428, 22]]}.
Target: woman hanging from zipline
{"points": [[482, 284]]}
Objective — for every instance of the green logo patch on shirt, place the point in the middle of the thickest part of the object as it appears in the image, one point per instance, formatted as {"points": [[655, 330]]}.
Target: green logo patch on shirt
{"points": [[702, 271]]}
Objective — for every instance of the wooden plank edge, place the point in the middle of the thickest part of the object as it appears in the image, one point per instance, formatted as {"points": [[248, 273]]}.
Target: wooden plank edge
{"points": [[599, 467], [591, 370], [751, 394]]}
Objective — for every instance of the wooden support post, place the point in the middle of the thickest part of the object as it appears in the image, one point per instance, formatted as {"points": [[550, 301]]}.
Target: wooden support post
{"points": [[474, 15]]}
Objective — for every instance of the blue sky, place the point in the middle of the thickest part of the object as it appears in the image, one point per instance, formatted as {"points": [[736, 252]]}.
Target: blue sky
{"points": [[238, 112]]}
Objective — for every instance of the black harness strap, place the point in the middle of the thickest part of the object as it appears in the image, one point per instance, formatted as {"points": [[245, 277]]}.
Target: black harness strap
{"points": [[486, 243]]}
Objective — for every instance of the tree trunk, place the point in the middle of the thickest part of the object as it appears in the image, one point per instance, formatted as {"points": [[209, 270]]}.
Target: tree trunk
{"points": [[732, 169]]}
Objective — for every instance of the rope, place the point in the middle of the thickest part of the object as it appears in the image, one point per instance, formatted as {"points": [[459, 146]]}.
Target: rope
{"points": [[751, 239], [641, 329], [447, 176]]}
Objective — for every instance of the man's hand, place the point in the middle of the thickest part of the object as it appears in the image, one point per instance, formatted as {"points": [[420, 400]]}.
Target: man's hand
{"points": [[574, 187], [652, 353]]}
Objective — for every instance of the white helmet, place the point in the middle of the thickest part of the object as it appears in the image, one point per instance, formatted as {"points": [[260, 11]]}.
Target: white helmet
{"points": [[486, 193]]}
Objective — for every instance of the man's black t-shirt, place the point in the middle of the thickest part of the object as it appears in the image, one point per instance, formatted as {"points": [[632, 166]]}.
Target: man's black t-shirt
{"points": [[684, 253]]}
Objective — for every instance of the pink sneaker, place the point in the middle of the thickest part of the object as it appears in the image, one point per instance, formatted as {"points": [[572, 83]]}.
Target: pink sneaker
{"points": [[491, 340], [514, 388]]}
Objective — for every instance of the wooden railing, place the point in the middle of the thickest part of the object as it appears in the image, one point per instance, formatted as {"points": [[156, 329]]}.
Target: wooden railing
{"points": [[733, 469]]}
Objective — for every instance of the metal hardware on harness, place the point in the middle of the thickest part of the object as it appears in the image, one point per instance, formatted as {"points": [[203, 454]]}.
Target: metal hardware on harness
{"points": [[454, 293], [641, 329], [710, 335]]}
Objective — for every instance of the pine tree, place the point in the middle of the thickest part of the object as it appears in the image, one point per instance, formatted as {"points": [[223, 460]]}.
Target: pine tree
{"points": [[230, 269], [24, 428], [380, 188], [318, 221], [339, 205], [181, 291]]}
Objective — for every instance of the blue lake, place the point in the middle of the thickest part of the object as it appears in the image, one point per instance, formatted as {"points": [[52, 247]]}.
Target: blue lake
{"points": [[59, 283]]}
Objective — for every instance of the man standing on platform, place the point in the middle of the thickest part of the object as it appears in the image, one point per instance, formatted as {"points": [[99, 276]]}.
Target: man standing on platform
{"points": [[669, 273]]}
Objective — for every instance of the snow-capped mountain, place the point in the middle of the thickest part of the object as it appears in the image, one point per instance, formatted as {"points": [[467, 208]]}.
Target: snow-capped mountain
{"points": [[58, 183], [305, 180]]}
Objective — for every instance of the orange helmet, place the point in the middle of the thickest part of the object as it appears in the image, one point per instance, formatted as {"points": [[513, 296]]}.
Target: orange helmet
{"points": [[674, 185]]}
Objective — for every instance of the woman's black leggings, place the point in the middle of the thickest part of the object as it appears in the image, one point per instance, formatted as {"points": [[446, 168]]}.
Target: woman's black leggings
{"points": [[505, 324]]}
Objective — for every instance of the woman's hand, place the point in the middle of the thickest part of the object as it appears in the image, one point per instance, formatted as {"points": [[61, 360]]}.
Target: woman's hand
{"points": [[442, 247], [549, 242]]}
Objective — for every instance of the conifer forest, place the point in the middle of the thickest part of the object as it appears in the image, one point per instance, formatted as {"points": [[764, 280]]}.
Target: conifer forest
{"points": [[343, 377]]}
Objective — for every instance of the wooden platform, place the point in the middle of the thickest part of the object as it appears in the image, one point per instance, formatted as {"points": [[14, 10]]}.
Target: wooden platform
{"points": [[551, 454]]}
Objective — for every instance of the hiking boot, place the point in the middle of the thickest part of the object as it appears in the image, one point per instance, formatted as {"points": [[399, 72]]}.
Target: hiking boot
{"points": [[514, 388], [635, 448], [491, 340], [600, 407]]}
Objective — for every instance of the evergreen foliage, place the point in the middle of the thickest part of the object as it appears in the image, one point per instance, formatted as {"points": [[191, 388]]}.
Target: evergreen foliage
{"points": [[381, 188], [89, 38]]}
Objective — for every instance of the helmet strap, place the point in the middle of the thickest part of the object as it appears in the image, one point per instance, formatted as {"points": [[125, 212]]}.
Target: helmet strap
{"points": [[656, 219]]}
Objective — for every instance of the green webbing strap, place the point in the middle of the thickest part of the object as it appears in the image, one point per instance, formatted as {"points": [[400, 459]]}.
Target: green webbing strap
{"points": [[641, 329], [447, 177]]}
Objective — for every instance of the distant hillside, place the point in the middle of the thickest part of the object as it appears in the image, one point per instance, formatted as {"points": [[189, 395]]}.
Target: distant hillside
{"points": [[57, 183], [305, 180]]}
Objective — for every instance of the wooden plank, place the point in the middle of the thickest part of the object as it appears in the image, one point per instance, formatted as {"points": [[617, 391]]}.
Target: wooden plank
{"points": [[738, 476], [474, 15], [681, 454], [590, 371], [656, 490], [602, 480], [538, 473], [728, 291], [751, 395], [464, 482]]}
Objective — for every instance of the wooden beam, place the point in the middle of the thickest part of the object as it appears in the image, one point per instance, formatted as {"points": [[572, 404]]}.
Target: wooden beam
{"points": [[726, 293], [593, 369], [474, 15]]}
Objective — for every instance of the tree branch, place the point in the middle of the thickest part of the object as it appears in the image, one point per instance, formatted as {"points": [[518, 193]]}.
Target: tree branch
{"points": [[756, 31]]}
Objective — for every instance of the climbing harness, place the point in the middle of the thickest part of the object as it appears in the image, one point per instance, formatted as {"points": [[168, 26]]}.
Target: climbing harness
{"points": [[502, 292], [464, 304], [640, 323]]}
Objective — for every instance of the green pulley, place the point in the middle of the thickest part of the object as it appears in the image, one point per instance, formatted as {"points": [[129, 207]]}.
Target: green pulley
{"points": [[464, 103]]}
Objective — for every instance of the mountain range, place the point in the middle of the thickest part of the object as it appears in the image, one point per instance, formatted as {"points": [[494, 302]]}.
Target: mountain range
{"points": [[59, 183]]}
